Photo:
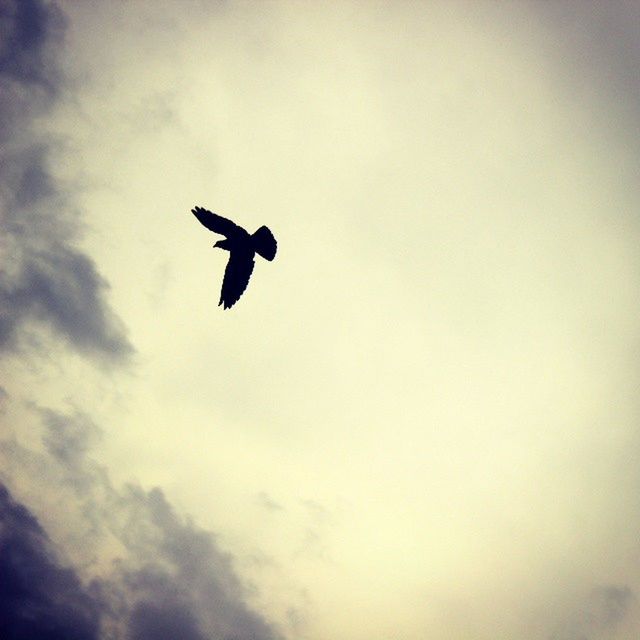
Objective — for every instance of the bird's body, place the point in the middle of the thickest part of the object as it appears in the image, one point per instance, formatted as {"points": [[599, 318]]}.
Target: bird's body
{"points": [[242, 248]]}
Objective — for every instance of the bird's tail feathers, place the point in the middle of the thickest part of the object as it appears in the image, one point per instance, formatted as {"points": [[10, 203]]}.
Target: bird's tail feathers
{"points": [[264, 243]]}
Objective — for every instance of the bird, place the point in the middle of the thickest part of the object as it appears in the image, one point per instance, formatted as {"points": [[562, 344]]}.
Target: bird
{"points": [[242, 248]]}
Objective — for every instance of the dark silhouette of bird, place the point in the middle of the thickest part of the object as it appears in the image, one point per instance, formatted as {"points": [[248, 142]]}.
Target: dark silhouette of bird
{"points": [[242, 248]]}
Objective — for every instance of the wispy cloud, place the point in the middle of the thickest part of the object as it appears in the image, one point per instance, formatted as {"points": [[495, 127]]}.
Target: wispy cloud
{"points": [[135, 569], [46, 280], [601, 613], [79, 558]]}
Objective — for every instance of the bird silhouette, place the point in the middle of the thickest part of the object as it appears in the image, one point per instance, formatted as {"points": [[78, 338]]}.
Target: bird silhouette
{"points": [[242, 248]]}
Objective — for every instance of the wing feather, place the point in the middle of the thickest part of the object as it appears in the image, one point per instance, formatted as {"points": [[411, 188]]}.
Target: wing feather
{"points": [[236, 278], [214, 222]]}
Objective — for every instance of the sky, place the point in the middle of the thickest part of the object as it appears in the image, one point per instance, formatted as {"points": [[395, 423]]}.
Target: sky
{"points": [[420, 421]]}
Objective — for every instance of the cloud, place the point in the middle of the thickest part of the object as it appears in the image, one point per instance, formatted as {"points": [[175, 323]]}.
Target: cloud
{"points": [[601, 612], [601, 38], [80, 557], [38, 597], [136, 569], [30, 31], [265, 500], [149, 622], [29, 28], [46, 281]]}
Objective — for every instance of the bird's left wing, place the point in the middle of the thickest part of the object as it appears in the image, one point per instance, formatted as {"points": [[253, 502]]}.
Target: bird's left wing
{"points": [[236, 278], [214, 222]]}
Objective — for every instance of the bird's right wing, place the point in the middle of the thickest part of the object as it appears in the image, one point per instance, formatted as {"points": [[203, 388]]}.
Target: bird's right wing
{"points": [[214, 222], [236, 278]]}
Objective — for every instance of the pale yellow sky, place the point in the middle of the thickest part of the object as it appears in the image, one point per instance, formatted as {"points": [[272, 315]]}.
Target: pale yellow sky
{"points": [[420, 420]]}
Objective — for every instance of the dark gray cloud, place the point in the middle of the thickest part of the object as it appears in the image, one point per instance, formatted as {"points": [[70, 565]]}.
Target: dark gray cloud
{"points": [[38, 597], [59, 287], [150, 622], [167, 579], [30, 31], [45, 279], [30, 28]]}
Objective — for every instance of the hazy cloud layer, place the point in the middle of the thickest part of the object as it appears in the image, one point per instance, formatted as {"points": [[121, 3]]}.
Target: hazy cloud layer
{"points": [[141, 572], [45, 279], [443, 355], [601, 40], [599, 615]]}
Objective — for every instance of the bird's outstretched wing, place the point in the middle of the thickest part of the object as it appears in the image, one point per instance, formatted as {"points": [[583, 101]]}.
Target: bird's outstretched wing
{"points": [[236, 278], [214, 222]]}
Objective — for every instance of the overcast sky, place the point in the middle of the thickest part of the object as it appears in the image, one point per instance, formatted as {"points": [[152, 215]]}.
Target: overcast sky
{"points": [[419, 421]]}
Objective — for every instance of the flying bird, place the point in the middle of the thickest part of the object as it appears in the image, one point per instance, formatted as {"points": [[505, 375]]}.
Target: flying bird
{"points": [[242, 248]]}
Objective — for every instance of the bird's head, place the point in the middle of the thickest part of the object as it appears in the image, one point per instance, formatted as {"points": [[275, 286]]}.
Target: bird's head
{"points": [[221, 244]]}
